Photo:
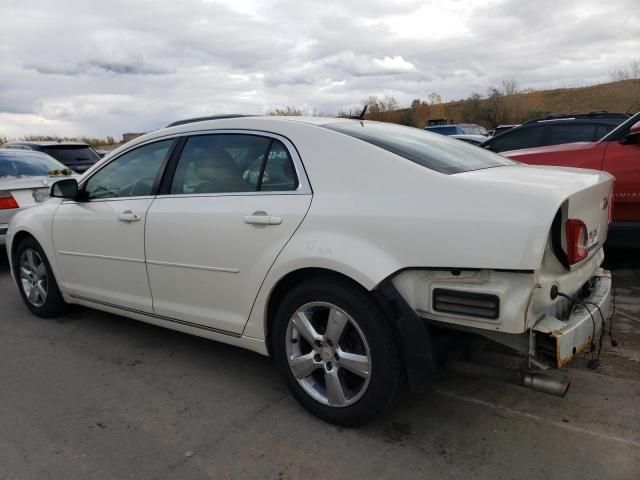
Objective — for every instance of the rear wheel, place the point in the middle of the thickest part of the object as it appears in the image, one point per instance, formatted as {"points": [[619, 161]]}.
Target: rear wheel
{"points": [[336, 351], [37, 285]]}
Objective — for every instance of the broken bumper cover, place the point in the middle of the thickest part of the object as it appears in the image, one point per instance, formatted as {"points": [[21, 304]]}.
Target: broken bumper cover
{"points": [[558, 341]]}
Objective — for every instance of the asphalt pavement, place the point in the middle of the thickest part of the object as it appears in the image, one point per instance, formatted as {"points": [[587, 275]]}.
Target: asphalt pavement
{"points": [[97, 396]]}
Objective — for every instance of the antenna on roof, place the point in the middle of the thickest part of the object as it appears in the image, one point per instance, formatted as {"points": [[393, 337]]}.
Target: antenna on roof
{"points": [[361, 116]]}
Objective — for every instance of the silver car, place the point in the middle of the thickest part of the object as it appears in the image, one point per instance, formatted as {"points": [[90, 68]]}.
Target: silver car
{"points": [[24, 182]]}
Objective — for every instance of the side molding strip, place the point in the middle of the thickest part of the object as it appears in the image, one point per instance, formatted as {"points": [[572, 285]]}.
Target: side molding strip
{"points": [[159, 317]]}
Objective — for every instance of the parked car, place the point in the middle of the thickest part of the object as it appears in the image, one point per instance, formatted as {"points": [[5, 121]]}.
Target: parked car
{"points": [[348, 250], [556, 130], [618, 154], [78, 156], [501, 129], [457, 129], [472, 139], [24, 181]]}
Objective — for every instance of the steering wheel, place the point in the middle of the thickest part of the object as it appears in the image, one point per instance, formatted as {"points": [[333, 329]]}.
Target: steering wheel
{"points": [[141, 187]]}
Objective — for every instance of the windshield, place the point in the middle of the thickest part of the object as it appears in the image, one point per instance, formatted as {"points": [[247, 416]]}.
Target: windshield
{"points": [[436, 152], [27, 164], [474, 130], [72, 154], [621, 130]]}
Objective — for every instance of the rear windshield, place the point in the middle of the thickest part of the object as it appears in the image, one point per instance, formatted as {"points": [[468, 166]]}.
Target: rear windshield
{"points": [[436, 152], [27, 164], [443, 130], [72, 154], [474, 130]]}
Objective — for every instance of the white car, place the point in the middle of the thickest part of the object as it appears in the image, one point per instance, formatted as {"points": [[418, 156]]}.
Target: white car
{"points": [[25, 177], [335, 245]]}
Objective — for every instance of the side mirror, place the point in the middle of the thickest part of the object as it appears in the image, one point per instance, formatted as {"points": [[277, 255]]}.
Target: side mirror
{"points": [[634, 134], [67, 188]]}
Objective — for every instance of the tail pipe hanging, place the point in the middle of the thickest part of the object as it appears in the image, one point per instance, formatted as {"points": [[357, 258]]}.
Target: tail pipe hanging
{"points": [[535, 381]]}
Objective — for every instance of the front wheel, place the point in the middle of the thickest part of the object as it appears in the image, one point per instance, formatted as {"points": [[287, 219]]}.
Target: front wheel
{"points": [[37, 285], [336, 351]]}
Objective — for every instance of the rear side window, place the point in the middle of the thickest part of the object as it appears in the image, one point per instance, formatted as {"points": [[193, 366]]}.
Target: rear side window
{"points": [[519, 138], [602, 130], [233, 163], [568, 133], [436, 152], [279, 174]]}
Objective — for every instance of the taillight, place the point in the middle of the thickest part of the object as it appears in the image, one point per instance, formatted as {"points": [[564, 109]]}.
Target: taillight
{"points": [[7, 201], [577, 241]]}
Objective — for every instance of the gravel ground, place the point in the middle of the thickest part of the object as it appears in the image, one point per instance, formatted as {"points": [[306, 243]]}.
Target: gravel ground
{"points": [[98, 396]]}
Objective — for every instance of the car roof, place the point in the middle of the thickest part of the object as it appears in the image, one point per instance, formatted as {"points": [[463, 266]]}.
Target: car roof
{"points": [[454, 125], [14, 152], [586, 117], [231, 122], [48, 143]]}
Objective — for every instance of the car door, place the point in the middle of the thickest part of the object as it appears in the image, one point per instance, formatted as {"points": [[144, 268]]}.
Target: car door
{"points": [[231, 205], [99, 241], [622, 160]]}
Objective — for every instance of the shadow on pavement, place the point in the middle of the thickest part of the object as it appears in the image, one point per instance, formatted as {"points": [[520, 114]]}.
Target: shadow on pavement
{"points": [[620, 258], [4, 261]]}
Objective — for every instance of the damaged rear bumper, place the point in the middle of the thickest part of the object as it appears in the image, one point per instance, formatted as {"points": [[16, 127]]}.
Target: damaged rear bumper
{"points": [[558, 341]]}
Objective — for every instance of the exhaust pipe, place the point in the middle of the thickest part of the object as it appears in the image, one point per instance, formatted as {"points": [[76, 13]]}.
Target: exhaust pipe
{"points": [[545, 384], [534, 381]]}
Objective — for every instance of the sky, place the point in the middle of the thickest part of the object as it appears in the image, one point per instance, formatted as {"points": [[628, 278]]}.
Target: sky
{"points": [[98, 68]]}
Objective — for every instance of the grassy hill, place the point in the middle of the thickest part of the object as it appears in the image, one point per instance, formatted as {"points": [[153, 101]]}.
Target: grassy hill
{"points": [[498, 108]]}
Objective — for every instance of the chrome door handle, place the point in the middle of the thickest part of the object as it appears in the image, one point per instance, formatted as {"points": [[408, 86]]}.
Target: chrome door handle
{"points": [[262, 220], [128, 216]]}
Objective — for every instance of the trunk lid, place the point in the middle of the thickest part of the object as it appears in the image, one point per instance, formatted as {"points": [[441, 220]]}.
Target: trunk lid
{"points": [[27, 191]]}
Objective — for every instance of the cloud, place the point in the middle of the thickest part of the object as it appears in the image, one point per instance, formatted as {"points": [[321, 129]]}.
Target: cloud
{"points": [[87, 68]]}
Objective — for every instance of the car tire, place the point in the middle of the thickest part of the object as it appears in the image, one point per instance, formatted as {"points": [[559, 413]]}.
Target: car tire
{"points": [[337, 351], [36, 282]]}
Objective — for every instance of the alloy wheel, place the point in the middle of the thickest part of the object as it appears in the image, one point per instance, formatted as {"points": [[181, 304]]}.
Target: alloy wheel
{"points": [[328, 354], [33, 277]]}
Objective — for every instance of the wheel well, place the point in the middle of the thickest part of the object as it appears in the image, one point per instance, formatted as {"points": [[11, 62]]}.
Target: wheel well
{"points": [[17, 240], [290, 280]]}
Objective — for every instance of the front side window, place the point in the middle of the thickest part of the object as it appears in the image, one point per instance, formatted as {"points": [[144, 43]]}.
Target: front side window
{"points": [[436, 152], [233, 163], [130, 175], [519, 138]]}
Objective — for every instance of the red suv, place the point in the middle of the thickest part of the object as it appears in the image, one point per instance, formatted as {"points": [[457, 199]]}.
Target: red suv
{"points": [[617, 153]]}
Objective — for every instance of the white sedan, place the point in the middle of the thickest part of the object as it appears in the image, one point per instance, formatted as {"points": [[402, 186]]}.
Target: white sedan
{"points": [[25, 176], [345, 249]]}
